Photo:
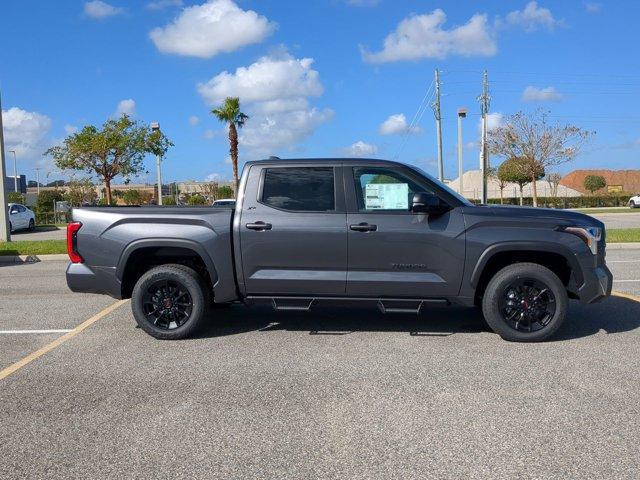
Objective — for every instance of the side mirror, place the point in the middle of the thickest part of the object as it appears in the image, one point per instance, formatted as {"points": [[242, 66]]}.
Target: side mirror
{"points": [[428, 203]]}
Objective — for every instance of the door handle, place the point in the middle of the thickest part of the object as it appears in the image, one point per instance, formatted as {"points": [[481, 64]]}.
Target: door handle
{"points": [[260, 226], [363, 227]]}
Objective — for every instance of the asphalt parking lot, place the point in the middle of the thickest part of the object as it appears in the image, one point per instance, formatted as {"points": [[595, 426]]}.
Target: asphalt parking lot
{"points": [[334, 393]]}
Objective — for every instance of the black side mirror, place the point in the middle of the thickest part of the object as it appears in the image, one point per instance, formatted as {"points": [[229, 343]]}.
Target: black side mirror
{"points": [[428, 203]]}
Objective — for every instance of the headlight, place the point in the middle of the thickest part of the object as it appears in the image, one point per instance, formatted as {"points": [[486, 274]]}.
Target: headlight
{"points": [[589, 235]]}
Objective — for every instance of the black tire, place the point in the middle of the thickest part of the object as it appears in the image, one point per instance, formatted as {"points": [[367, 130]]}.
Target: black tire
{"points": [[32, 225], [10, 228], [632, 204], [525, 302], [180, 294]]}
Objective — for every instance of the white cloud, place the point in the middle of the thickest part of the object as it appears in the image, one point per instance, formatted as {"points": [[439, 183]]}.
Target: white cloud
{"points": [[592, 7], [193, 120], [126, 107], [267, 134], [273, 77], [275, 92], [532, 18], [26, 133], [535, 94], [70, 129], [397, 125], [360, 149], [99, 9], [422, 36], [162, 4], [212, 28], [213, 177], [494, 120], [210, 133]]}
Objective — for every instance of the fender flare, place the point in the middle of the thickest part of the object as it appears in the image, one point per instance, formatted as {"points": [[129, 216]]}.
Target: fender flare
{"points": [[166, 242], [537, 246]]}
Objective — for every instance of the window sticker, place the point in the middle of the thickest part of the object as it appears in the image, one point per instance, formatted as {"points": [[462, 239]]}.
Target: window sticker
{"points": [[386, 196]]}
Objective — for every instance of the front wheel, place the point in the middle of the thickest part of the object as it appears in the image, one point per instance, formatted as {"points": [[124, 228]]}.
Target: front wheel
{"points": [[169, 302], [32, 225], [632, 204], [525, 302]]}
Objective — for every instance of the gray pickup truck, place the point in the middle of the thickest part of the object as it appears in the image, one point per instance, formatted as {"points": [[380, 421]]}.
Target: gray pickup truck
{"points": [[317, 231]]}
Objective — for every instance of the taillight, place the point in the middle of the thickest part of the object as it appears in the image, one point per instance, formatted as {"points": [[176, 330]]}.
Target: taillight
{"points": [[72, 237]]}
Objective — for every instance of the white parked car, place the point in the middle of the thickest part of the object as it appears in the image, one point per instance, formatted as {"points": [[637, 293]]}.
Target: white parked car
{"points": [[21, 217], [634, 202], [224, 203]]}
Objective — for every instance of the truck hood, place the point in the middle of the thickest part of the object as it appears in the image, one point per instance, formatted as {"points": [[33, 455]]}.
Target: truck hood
{"points": [[564, 217]]}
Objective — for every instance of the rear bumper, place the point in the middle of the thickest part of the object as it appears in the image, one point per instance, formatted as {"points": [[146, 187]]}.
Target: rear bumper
{"points": [[597, 285], [85, 279]]}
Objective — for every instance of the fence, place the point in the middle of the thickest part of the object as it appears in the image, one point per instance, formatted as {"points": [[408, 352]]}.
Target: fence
{"points": [[43, 218]]}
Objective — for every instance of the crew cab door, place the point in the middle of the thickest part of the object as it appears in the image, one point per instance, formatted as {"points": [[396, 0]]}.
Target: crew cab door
{"points": [[292, 230], [393, 252]]}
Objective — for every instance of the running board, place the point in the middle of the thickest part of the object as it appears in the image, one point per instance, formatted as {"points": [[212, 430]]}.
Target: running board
{"points": [[385, 305]]}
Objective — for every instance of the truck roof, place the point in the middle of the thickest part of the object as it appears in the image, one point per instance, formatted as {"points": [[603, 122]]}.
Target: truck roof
{"points": [[368, 161]]}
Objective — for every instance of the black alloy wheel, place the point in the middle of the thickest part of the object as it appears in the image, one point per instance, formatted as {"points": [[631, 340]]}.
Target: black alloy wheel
{"points": [[167, 304], [527, 305]]}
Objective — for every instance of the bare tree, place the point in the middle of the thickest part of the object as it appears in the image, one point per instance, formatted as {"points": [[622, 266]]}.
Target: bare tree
{"points": [[554, 180], [531, 136]]}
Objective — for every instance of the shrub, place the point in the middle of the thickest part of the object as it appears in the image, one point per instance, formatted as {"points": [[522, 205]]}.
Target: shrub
{"points": [[594, 182], [46, 200], [15, 197], [196, 199], [169, 200], [131, 197]]}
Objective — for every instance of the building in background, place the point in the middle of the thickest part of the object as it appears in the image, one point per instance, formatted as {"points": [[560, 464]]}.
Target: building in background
{"points": [[9, 184], [617, 180]]}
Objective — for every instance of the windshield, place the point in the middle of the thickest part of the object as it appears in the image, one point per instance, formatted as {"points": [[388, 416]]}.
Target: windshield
{"points": [[442, 185]]}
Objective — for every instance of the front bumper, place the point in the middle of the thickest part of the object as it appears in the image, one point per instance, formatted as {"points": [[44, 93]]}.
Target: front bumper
{"points": [[85, 279], [597, 285]]}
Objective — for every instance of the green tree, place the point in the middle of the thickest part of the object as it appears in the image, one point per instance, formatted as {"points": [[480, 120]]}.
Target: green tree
{"points": [[517, 170], [80, 191], [594, 182], [229, 113], [15, 197], [132, 197], [224, 191], [531, 136], [118, 148], [47, 198], [196, 199]]}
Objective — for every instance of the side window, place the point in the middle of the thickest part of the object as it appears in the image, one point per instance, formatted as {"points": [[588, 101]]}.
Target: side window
{"points": [[21, 209], [385, 189], [302, 189]]}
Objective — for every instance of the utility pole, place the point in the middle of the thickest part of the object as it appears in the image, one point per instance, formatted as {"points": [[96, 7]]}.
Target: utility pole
{"points": [[436, 111], [462, 113], [484, 152], [15, 171], [37, 169], [155, 126], [5, 231]]}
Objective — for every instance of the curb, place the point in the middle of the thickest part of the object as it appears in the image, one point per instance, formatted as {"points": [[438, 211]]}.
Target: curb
{"points": [[33, 258], [623, 245]]}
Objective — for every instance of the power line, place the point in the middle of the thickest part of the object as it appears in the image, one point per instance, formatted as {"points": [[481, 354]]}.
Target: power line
{"points": [[416, 118]]}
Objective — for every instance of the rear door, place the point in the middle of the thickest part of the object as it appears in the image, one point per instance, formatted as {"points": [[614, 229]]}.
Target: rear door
{"points": [[292, 229], [393, 252]]}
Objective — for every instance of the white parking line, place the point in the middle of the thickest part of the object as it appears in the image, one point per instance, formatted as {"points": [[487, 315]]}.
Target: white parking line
{"points": [[9, 332], [623, 261], [623, 281]]}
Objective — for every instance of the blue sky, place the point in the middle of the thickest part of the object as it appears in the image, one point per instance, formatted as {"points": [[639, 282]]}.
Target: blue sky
{"points": [[318, 78]]}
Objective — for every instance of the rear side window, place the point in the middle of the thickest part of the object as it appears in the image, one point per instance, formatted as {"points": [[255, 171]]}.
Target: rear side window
{"points": [[302, 189], [21, 209]]}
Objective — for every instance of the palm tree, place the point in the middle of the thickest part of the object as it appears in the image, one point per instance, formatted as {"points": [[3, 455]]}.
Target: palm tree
{"points": [[229, 112]]}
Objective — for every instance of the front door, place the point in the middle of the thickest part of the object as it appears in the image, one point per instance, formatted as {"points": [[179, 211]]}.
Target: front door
{"points": [[293, 235], [393, 252]]}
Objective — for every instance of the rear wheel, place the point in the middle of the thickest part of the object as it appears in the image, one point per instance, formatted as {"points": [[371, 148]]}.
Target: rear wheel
{"points": [[525, 302], [632, 204], [169, 302], [32, 225]]}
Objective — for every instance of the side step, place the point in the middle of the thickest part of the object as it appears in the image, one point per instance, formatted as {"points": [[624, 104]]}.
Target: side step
{"points": [[385, 305]]}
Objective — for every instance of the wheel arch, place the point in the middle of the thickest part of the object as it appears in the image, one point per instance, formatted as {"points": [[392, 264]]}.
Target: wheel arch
{"points": [[152, 246], [558, 258]]}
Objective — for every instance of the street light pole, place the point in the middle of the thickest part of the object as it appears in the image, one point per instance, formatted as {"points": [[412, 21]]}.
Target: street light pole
{"points": [[462, 113], [155, 127], [15, 171], [5, 231], [37, 169]]}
